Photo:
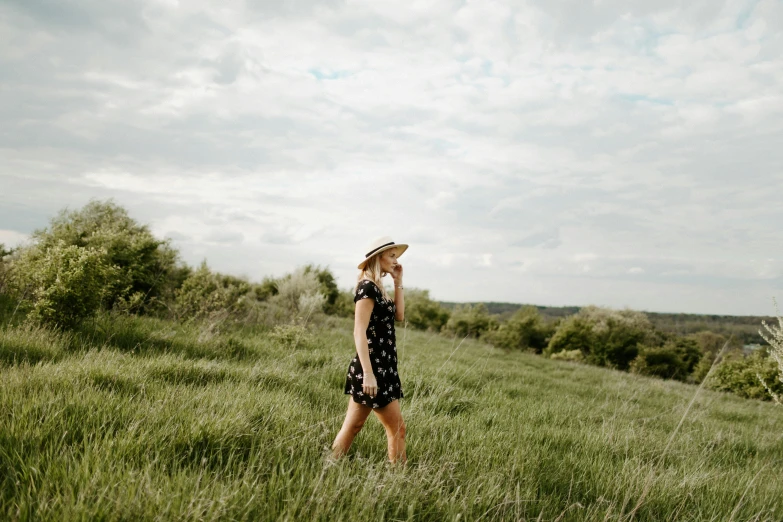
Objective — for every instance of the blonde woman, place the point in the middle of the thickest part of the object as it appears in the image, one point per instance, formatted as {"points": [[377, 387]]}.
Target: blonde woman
{"points": [[372, 381]]}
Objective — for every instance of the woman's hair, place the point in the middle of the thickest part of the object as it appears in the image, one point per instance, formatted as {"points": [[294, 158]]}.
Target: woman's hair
{"points": [[372, 271]]}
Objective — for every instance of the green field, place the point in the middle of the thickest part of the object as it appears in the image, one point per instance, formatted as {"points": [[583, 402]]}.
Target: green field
{"points": [[140, 419]]}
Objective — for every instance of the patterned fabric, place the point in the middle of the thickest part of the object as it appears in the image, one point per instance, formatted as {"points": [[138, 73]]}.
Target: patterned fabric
{"points": [[383, 351]]}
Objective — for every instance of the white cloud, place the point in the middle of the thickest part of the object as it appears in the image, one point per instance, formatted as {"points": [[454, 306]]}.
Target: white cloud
{"points": [[496, 138], [12, 238]]}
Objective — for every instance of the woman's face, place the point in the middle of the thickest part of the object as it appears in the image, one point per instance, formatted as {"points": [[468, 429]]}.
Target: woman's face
{"points": [[388, 260]]}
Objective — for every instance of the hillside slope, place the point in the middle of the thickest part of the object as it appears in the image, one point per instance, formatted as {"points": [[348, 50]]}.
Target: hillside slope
{"points": [[143, 419]]}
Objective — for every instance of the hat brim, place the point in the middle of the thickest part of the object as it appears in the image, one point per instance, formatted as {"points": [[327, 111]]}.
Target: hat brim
{"points": [[401, 248]]}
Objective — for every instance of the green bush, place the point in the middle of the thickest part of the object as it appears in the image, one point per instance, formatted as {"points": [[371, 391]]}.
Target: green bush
{"points": [[205, 293], [674, 360], [60, 285], [703, 367], [525, 330], [265, 289], [606, 337], [146, 266], [470, 320], [422, 313], [710, 345], [740, 375], [573, 333]]}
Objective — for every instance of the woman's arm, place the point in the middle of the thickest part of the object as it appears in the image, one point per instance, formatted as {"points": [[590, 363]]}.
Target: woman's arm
{"points": [[399, 297], [361, 321]]}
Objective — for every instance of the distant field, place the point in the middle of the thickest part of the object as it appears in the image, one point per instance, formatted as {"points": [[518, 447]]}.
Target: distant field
{"points": [[139, 419]]}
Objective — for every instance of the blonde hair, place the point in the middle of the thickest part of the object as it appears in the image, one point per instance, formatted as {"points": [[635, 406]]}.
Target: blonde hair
{"points": [[372, 271]]}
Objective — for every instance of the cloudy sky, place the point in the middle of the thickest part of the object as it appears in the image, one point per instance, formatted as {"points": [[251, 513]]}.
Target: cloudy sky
{"points": [[556, 152]]}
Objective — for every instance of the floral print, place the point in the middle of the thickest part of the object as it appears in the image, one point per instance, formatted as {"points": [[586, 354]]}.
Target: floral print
{"points": [[381, 342]]}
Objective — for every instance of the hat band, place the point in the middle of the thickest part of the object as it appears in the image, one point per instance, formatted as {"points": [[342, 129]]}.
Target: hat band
{"points": [[371, 252]]}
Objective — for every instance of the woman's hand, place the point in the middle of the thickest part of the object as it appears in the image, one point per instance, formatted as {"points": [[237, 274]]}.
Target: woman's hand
{"points": [[370, 385], [396, 274]]}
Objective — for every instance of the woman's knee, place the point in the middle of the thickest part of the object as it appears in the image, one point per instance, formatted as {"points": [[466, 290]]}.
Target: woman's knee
{"points": [[357, 426], [397, 431]]}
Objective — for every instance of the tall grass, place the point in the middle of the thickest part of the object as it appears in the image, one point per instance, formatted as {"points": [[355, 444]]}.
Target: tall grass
{"points": [[141, 419]]}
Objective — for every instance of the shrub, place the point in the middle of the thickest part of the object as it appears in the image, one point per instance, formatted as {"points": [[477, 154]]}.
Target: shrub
{"points": [[573, 333], [703, 367], [525, 330], [205, 293], [422, 312], [344, 306], [606, 337], [660, 361], [674, 360], [298, 296], [744, 375], [470, 320], [145, 265], [60, 285], [266, 289], [327, 286]]}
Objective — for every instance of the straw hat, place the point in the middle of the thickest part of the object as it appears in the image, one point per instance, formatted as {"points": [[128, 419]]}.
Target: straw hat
{"points": [[379, 245]]}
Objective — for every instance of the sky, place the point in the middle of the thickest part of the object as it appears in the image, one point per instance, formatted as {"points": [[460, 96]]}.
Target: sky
{"points": [[621, 153]]}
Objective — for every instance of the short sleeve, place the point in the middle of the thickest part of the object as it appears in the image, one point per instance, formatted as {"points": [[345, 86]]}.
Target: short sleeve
{"points": [[366, 290]]}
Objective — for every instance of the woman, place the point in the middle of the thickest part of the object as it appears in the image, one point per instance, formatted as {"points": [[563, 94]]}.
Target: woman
{"points": [[373, 382]]}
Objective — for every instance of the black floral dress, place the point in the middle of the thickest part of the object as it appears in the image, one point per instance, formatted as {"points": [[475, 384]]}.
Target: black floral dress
{"points": [[383, 351]]}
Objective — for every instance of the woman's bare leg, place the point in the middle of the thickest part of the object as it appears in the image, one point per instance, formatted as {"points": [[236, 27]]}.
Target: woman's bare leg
{"points": [[391, 418], [354, 420]]}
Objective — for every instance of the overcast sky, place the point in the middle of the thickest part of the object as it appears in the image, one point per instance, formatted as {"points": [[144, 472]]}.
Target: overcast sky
{"points": [[555, 152]]}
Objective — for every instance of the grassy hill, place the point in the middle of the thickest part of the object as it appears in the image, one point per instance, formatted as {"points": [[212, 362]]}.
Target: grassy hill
{"points": [[140, 419]]}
